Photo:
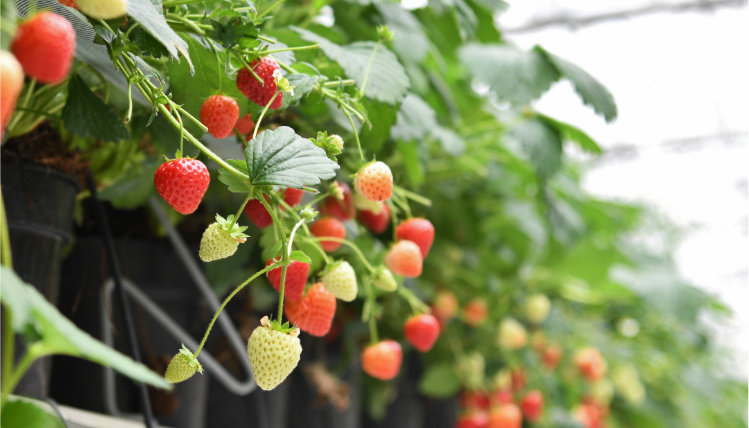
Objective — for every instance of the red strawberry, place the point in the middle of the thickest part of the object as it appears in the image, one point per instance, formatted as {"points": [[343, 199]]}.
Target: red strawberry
{"points": [[418, 230], [422, 331], [382, 360], [296, 279], [477, 419], [260, 93], [501, 396], [44, 45], [293, 196], [11, 82], [68, 3], [532, 405], [245, 125], [182, 183], [257, 213], [551, 355], [475, 312], [374, 181], [505, 416], [474, 400], [328, 228], [340, 209], [589, 416], [314, 313], [219, 113], [375, 222], [404, 258]]}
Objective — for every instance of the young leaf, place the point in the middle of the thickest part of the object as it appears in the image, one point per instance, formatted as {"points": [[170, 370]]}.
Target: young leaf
{"points": [[300, 257], [387, 79], [573, 133], [280, 157], [85, 114]]}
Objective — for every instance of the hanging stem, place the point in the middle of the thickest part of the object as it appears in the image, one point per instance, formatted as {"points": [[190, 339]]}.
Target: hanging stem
{"points": [[298, 48], [229, 297], [260, 119], [285, 261], [369, 68], [8, 343], [35, 351], [239, 212], [356, 134], [269, 9], [350, 245], [6, 257]]}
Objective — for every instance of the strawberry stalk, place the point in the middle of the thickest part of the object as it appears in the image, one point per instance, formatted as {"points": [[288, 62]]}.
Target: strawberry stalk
{"points": [[239, 212], [260, 119], [5, 255], [285, 260], [317, 246], [356, 135], [273, 6], [350, 244]]}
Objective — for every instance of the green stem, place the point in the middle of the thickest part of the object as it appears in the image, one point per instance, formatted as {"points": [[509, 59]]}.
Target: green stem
{"points": [[349, 244], [285, 66], [129, 114], [306, 230], [17, 117], [247, 199], [226, 301], [6, 257], [189, 24], [417, 306], [35, 351], [356, 135], [268, 10], [339, 82], [246, 65], [299, 48], [413, 196], [332, 95], [293, 232], [266, 39], [369, 67], [285, 258], [371, 300], [373, 331], [260, 119], [8, 343], [172, 3]]}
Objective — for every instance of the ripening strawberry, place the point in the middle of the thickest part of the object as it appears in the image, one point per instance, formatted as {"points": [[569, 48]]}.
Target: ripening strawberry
{"points": [[314, 313], [537, 308], [182, 366], [505, 416], [474, 400], [590, 363], [382, 360], [340, 279], [342, 209], [260, 93], [588, 415], [404, 258], [328, 227], [245, 125], [374, 181], [419, 231], [532, 405], [221, 239], [219, 114], [475, 312], [445, 305], [182, 183], [551, 355], [422, 331], [45, 45], [274, 352], [375, 221], [296, 278], [518, 379], [68, 3], [103, 9], [11, 82], [474, 419], [511, 335]]}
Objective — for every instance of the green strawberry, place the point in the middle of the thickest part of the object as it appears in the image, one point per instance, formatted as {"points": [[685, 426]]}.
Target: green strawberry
{"points": [[274, 351], [340, 279], [221, 239], [182, 366], [384, 280]]}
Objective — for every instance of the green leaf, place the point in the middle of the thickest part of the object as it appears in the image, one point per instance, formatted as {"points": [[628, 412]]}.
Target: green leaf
{"points": [[147, 44], [236, 184], [232, 28], [133, 190], [416, 119], [467, 20], [31, 311], [513, 75], [381, 118], [451, 142], [280, 157], [412, 162], [191, 89], [150, 16], [85, 114], [440, 381], [303, 84], [573, 134], [592, 92], [20, 413], [410, 42], [541, 144], [387, 80], [300, 257]]}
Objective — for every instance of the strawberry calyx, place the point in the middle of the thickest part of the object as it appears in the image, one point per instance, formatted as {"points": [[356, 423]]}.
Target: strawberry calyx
{"points": [[333, 144], [193, 360], [284, 328], [232, 228]]}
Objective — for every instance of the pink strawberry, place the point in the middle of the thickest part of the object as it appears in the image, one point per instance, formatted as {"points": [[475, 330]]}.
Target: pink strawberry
{"points": [[418, 230], [44, 45], [382, 360], [182, 183], [404, 258], [219, 113], [375, 222], [314, 312], [328, 228], [296, 279], [260, 93], [422, 331], [11, 82], [374, 181], [245, 125]]}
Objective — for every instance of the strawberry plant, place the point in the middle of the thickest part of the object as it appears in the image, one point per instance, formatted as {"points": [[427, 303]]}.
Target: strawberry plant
{"points": [[395, 178]]}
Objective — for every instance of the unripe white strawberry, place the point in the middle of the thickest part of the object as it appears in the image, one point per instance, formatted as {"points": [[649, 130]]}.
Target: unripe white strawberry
{"points": [[340, 279], [221, 239], [274, 351], [537, 308], [471, 370], [512, 335], [103, 9], [384, 279], [374, 181], [182, 367]]}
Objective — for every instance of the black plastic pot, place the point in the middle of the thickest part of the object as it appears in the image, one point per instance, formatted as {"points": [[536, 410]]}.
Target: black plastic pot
{"points": [[39, 203]]}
